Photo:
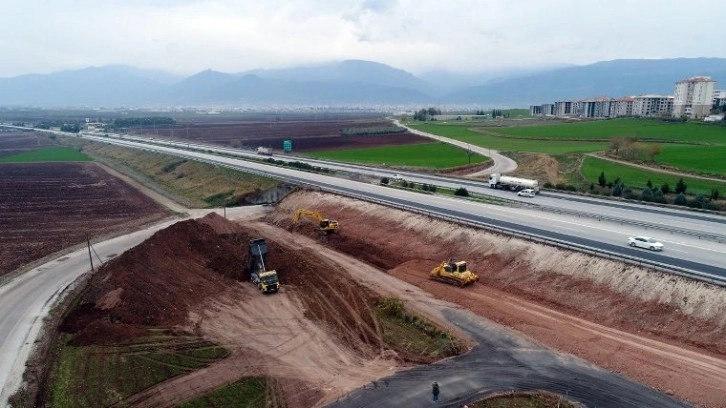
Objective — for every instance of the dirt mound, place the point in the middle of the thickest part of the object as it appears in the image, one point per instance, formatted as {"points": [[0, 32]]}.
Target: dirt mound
{"points": [[157, 282], [654, 327]]}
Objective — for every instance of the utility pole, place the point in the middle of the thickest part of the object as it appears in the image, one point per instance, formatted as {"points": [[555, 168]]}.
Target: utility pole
{"points": [[90, 258]]}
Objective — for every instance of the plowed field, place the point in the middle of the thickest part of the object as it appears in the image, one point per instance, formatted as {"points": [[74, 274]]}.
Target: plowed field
{"points": [[13, 142], [305, 135], [46, 207]]}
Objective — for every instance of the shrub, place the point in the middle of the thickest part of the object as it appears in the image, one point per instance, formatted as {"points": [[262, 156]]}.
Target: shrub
{"points": [[714, 194], [628, 194], [392, 306], [432, 188], [681, 187], [618, 190], [385, 181], [646, 194], [701, 201], [461, 191], [665, 188], [425, 187], [680, 199], [601, 180], [658, 196], [547, 185]]}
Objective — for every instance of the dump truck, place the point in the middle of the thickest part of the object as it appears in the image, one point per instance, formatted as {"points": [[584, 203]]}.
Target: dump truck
{"points": [[454, 273], [266, 281], [325, 224], [496, 180]]}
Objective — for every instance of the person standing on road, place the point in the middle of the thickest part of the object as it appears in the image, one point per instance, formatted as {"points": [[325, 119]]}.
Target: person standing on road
{"points": [[435, 390]]}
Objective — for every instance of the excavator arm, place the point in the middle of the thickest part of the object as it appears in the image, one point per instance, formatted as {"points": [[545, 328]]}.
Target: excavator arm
{"points": [[324, 223]]}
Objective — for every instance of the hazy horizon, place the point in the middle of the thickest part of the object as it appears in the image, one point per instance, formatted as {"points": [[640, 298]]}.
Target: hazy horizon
{"points": [[184, 37]]}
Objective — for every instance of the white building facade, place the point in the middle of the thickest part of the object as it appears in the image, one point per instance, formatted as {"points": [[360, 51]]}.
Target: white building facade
{"points": [[694, 97]]}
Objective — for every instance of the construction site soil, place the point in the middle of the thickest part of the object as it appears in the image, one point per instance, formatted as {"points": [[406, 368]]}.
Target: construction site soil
{"points": [[47, 207], [320, 329], [305, 135]]}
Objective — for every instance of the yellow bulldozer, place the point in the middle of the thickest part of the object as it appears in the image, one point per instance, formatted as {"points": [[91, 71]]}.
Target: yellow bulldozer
{"points": [[453, 273], [325, 224]]}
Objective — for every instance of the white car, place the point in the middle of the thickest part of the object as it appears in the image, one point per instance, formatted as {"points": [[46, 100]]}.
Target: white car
{"points": [[527, 192], [645, 242]]}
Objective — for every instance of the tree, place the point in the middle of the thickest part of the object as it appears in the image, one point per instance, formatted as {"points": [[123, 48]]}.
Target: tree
{"points": [[649, 184], [618, 190], [658, 196], [714, 194], [461, 191], [646, 194], [653, 150], [616, 143], [681, 187], [680, 199], [665, 188], [601, 180]]}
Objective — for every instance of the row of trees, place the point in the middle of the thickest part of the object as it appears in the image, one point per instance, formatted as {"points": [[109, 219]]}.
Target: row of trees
{"points": [[426, 114], [629, 148], [143, 122], [657, 194], [380, 130]]}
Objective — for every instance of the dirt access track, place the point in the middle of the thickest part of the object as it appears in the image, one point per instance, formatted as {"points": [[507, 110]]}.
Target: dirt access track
{"points": [[318, 337]]}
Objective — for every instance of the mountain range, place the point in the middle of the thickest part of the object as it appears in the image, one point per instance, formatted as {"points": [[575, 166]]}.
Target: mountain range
{"points": [[352, 83]]}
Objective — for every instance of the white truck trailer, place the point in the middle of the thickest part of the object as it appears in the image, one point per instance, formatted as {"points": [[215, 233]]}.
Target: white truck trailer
{"points": [[496, 180], [265, 151]]}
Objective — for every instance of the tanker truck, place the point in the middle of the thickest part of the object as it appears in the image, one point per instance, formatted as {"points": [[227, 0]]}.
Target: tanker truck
{"points": [[496, 180]]}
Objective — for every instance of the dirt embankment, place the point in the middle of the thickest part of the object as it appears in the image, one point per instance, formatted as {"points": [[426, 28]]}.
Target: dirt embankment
{"points": [[320, 330], [659, 329]]}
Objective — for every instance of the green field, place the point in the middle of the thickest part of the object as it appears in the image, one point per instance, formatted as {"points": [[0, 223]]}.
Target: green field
{"points": [[465, 134], [49, 154], [636, 128], [95, 376], [698, 159], [248, 393], [432, 155], [637, 178]]}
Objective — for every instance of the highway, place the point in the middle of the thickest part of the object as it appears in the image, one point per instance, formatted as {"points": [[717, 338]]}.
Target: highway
{"points": [[589, 223], [26, 299], [658, 219]]}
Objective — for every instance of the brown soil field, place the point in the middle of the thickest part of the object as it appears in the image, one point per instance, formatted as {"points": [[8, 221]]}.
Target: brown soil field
{"points": [[655, 328], [320, 330], [190, 278], [13, 142], [47, 207], [305, 135]]}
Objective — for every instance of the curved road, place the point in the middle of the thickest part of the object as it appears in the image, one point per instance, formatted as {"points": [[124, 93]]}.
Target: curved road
{"points": [[502, 164]]}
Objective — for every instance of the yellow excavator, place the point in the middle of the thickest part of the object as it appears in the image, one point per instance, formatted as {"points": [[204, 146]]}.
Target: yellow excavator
{"points": [[326, 225], [453, 273]]}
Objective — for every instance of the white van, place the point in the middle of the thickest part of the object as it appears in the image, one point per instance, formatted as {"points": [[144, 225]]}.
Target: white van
{"points": [[527, 192]]}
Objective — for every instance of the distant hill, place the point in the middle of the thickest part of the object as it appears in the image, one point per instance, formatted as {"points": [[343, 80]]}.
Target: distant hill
{"points": [[609, 78], [352, 82]]}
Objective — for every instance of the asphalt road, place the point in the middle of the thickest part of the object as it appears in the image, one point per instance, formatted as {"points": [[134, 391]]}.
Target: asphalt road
{"points": [[651, 220], [684, 247], [499, 362], [26, 299]]}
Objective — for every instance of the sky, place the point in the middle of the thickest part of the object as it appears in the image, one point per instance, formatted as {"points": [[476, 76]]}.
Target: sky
{"points": [[184, 36]]}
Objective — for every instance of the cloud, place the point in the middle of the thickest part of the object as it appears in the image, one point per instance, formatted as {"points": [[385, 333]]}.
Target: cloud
{"points": [[186, 36]]}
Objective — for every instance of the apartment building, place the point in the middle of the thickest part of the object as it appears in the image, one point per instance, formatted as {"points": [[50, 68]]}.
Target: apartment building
{"points": [[595, 108], [652, 105], [621, 107], [694, 97], [719, 97], [566, 108]]}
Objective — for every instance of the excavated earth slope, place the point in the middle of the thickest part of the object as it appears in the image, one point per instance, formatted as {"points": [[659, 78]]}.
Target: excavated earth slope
{"points": [[318, 338], [655, 328]]}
